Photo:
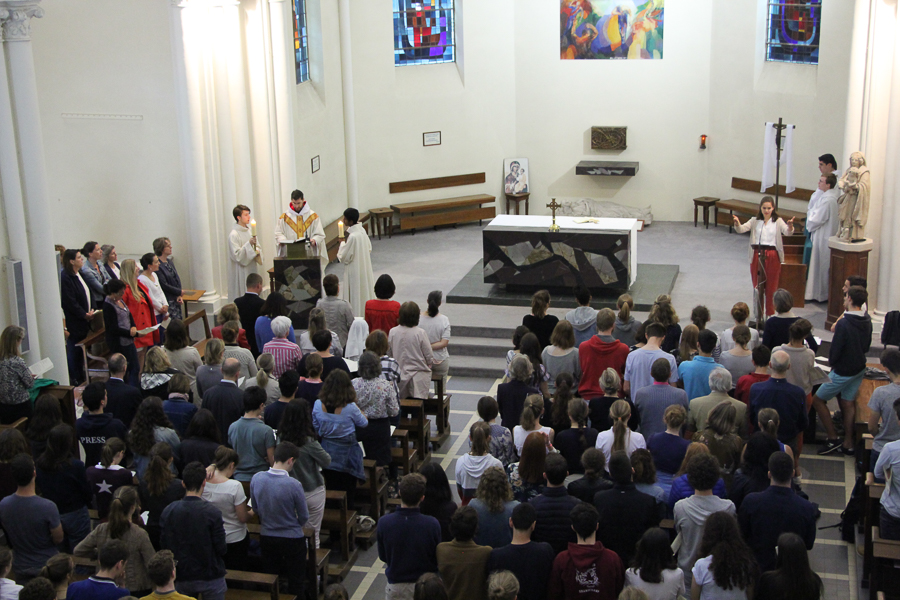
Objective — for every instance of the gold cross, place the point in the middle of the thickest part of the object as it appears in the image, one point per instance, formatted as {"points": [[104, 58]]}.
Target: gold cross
{"points": [[553, 206]]}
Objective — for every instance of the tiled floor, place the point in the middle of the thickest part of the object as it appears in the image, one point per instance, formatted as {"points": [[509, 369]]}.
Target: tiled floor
{"points": [[828, 481]]}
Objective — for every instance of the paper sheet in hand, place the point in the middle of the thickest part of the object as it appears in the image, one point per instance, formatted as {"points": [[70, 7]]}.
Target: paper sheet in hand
{"points": [[165, 324], [39, 368], [147, 330]]}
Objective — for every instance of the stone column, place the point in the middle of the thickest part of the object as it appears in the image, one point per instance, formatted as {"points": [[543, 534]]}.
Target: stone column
{"points": [[349, 104], [16, 18], [888, 293], [187, 53]]}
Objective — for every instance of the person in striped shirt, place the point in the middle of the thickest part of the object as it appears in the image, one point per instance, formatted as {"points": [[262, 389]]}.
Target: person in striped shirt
{"points": [[287, 354]]}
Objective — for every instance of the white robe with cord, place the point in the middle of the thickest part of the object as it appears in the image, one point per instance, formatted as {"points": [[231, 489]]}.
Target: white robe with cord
{"points": [[355, 253], [822, 221], [243, 260]]}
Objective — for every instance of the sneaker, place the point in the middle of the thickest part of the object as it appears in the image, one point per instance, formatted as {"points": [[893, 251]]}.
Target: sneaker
{"points": [[848, 451], [831, 446]]}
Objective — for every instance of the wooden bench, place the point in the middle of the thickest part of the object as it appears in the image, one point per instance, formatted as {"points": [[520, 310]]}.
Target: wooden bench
{"points": [[66, 396], [340, 522], [200, 315], [872, 492], [267, 582], [21, 425], [413, 419], [439, 406], [446, 211], [884, 553], [375, 490], [742, 208], [402, 455]]}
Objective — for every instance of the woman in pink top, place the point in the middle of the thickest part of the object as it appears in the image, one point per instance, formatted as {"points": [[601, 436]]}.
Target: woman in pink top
{"points": [[410, 347]]}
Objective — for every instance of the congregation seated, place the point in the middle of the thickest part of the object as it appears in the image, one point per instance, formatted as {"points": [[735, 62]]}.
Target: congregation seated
{"points": [[228, 313]]}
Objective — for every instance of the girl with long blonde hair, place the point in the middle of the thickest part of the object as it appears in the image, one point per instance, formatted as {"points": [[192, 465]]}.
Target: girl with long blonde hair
{"points": [[530, 423], [619, 436]]}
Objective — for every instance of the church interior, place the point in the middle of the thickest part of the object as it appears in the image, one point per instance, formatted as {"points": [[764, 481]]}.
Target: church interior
{"points": [[123, 122]]}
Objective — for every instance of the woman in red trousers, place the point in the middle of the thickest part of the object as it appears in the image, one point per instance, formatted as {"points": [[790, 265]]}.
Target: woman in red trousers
{"points": [[766, 230]]}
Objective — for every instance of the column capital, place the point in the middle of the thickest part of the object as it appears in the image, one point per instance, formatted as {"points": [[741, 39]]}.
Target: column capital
{"points": [[15, 19]]}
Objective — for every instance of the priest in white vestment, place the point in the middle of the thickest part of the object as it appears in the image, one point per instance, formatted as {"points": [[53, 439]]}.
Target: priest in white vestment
{"points": [[244, 253], [822, 222], [299, 222], [356, 255]]}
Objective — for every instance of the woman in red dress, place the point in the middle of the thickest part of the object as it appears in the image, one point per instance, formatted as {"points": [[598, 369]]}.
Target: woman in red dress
{"points": [[137, 299]]}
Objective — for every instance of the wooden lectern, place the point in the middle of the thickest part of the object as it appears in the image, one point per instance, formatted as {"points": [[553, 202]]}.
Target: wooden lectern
{"points": [[298, 277], [847, 259]]}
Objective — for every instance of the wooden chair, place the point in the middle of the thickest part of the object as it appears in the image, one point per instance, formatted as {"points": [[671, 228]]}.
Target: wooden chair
{"points": [[340, 522], [403, 456], [200, 315], [884, 553], [66, 396], [316, 565], [872, 492], [439, 406], [97, 364], [413, 419], [21, 425], [374, 488]]}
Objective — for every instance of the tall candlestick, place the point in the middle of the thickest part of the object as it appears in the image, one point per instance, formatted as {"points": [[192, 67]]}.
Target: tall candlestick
{"points": [[341, 229], [253, 227]]}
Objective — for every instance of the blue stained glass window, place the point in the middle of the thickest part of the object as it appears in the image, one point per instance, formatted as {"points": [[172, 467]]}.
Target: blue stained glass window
{"points": [[793, 32], [423, 32], [301, 45]]}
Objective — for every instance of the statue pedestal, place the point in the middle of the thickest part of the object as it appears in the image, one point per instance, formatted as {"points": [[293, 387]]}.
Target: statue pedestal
{"points": [[847, 259]]}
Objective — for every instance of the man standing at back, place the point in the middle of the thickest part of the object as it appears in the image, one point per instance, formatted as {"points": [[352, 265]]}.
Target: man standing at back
{"points": [[639, 363], [586, 570], [600, 352], [249, 306], [226, 400], [766, 515], [786, 398], [122, 399], [528, 560], [194, 531], [408, 540], [552, 507], [31, 523]]}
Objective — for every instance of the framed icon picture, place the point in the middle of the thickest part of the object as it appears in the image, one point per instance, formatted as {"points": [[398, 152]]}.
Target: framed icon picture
{"points": [[515, 176]]}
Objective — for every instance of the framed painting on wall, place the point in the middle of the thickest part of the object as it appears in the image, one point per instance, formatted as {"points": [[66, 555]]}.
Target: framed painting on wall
{"points": [[515, 176], [611, 29]]}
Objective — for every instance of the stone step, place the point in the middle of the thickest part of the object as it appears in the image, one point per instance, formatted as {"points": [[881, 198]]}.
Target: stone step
{"points": [[483, 332], [477, 366], [479, 346]]}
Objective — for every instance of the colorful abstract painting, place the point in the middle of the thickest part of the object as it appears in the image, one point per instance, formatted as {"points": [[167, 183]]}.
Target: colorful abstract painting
{"points": [[613, 29], [793, 34], [423, 32]]}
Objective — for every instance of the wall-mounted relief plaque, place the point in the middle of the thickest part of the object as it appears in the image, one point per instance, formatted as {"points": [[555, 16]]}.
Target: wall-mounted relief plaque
{"points": [[609, 138]]}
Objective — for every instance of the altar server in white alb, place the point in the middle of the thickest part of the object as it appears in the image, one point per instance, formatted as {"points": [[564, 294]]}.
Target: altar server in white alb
{"points": [[299, 222], [244, 252], [356, 255], [822, 221]]}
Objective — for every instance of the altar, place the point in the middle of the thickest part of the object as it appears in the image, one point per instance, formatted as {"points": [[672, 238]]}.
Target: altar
{"points": [[520, 251]]}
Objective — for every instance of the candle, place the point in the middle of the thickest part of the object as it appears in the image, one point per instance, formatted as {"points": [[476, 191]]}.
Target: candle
{"points": [[253, 227], [340, 229]]}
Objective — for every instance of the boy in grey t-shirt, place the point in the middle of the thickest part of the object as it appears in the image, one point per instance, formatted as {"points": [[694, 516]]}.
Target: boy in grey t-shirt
{"points": [[882, 406], [31, 523], [253, 440]]}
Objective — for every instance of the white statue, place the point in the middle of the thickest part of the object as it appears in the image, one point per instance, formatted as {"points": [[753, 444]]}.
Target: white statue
{"points": [[854, 200]]}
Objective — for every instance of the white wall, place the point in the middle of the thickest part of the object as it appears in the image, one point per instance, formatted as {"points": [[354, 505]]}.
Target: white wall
{"points": [[746, 92], [111, 180]]}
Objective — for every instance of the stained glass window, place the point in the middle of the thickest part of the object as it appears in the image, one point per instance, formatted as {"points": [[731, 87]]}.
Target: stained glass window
{"points": [[423, 32], [301, 46], [793, 32]]}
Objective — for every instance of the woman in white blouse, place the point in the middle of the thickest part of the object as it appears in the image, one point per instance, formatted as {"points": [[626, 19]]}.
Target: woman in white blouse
{"points": [[150, 264], [619, 436], [531, 422], [766, 230]]}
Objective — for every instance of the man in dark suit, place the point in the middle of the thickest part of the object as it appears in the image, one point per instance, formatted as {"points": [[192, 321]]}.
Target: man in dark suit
{"points": [[248, 307], [625, 512], [226, 400], [766, 515], [122, 400]]}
